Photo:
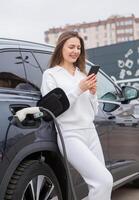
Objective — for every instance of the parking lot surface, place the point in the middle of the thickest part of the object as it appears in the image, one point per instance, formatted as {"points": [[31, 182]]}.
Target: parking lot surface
{"points": [[125, 193]]}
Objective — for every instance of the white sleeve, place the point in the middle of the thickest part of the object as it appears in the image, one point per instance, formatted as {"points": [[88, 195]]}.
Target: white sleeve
{"points": [[94, 102], [49, 83], [73, 94]]}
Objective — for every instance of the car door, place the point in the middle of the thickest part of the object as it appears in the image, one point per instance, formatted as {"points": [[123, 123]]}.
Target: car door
{"points": [[122, 120], [11, 75], [104, 85]]}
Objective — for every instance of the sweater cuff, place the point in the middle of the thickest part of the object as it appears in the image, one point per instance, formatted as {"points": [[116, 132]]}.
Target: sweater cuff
{"points": [[93, 96], [78, 91]]}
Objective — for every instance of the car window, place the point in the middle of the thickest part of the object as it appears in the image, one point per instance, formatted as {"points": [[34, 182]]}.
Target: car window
{"points": [[105, 88], [11, 69], [32, 69], [43, 59]]}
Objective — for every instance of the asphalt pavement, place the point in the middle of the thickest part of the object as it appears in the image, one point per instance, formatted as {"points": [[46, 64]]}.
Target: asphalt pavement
{"points": [[125, 193]]}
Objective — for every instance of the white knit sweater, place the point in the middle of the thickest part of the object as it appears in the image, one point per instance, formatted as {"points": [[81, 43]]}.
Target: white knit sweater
{"points": [[83, 105]]}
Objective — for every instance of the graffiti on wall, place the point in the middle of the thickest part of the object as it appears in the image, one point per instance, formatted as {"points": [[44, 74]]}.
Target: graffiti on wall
{"points": [[126, 65], [129, 67], [119, 61]]}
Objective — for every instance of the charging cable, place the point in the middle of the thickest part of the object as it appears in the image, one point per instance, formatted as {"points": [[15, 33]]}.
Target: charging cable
{"points": [[38, 112]]}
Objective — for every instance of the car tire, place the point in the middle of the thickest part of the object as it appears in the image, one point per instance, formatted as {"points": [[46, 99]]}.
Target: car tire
{"points": [[33, 180], [135, 183]]}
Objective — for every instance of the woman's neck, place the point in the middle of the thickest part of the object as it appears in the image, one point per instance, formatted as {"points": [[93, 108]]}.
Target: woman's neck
{"points": [[69, 67]]}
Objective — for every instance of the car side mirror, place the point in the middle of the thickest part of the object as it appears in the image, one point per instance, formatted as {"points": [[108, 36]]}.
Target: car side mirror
{"points": [[130, 93], [110, 107], [109, 96]]}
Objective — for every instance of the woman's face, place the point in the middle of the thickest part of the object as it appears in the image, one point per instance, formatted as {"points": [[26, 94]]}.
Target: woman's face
{"points": [[71, 50]]}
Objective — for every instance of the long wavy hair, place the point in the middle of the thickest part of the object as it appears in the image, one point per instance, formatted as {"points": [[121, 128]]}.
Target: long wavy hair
{"points": [[57, 56]]}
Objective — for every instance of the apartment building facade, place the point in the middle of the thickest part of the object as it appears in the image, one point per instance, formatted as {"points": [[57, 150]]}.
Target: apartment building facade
{"points": [[113, 30]]}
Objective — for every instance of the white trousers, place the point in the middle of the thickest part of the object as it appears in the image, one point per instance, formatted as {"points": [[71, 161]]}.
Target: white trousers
{"points": [[85, 154]]}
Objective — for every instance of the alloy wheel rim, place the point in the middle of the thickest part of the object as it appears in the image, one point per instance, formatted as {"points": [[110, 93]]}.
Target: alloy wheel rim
{"points": [[40, 188]]}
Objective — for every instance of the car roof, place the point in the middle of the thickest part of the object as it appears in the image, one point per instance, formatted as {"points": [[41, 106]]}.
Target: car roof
{"points": [[14, 43]]}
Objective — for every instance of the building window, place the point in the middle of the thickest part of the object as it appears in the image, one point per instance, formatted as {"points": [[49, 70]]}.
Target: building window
{"points": [[122, 23], [117, 23], [105, 34], [128, 30], [47, 39], [113, 26], [97, 28], [120, 31], [85, 37], [77, 30], [130, 22], [110, 34], [84, 30]]}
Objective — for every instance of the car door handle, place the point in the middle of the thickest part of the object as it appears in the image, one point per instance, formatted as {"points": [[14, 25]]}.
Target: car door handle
{"points": [[111, 117]]}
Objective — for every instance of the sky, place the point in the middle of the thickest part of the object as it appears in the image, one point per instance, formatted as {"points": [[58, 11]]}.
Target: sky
{"points": [[29, 19]]}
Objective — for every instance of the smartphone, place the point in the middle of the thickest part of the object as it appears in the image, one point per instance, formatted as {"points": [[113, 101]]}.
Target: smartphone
{"points": [[94, 69]]}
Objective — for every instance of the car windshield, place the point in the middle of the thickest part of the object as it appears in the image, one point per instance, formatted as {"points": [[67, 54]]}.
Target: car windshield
{"points": [[102, 78]]}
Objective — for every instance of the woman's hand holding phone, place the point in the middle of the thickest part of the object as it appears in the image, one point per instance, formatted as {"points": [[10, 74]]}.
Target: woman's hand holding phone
{"points": [[94, 69], [93, 88], [89, 83]]}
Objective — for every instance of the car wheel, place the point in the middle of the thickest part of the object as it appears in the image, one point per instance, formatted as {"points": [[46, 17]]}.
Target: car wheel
{"points": [[135, 183], [33, 180]]}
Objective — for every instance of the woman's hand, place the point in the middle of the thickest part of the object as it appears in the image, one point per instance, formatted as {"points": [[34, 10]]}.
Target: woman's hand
{"points": [[88, 83], [93, 89], [94, 86]]}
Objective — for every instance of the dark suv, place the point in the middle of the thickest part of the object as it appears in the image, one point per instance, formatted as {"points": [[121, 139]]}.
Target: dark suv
{"points": [[31, 167]]}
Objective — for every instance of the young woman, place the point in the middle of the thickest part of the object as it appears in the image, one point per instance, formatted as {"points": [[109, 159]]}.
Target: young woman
{"points": [[84, 152]]}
